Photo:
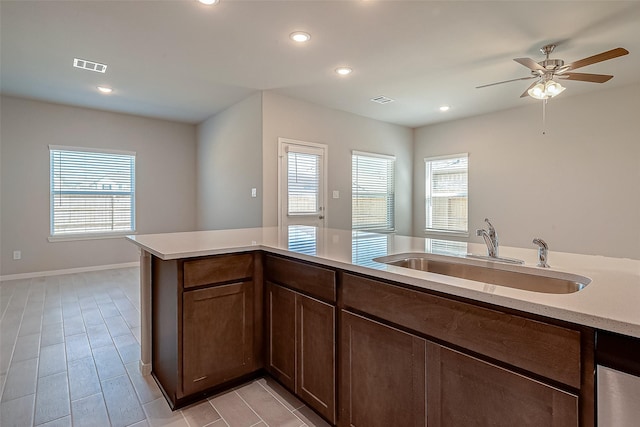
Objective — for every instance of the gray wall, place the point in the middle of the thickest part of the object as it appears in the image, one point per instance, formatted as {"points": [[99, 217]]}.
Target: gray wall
{"points": [[576, 186], [229, 164], [165, 180], [342, 132]]}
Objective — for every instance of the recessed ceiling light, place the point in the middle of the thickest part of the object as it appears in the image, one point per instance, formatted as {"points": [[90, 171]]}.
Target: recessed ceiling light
{"points": [[343, 71], [300, 36], [105, 89], [89, 65], [445, 108], [209, 2]]}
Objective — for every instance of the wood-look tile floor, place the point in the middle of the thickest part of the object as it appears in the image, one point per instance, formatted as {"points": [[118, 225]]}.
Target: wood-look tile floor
{"points": [[69, 354]]}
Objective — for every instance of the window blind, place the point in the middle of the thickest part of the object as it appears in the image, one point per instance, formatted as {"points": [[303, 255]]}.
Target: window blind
{"points": [[303, 180], [373, 191], [447, 194], [92, 192]]}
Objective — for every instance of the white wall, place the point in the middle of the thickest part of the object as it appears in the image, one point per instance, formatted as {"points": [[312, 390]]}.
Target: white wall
{"points": [[342, 132], [165, 180], [229, 165], [577, 187]]}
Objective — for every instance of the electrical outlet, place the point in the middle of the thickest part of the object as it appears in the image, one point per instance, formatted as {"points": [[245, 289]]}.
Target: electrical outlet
{"points": [[17, 255], [336, 194]]}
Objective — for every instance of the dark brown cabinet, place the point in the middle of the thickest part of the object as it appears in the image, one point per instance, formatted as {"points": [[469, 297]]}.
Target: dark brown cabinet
{"points": [[281, 334], [217, 335], [396, 355], [300, 333], [465, 391], [509, 370], [207, 323], [382, 380]]}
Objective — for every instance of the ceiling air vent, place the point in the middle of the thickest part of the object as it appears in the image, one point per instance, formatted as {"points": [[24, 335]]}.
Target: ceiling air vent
{"points": [[89, 65], [382, 99]]}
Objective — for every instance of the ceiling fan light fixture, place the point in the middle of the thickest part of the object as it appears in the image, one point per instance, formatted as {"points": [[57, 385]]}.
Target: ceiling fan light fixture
{"points": [[538, 92], [553, 88], [546, 90]]}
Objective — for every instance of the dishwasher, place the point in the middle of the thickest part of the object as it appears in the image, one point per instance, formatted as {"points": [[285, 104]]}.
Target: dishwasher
{"points": [[618, 380]]}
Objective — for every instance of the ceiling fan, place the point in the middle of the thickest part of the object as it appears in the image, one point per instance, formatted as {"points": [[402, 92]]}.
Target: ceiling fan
{"points": [[545, 71]]}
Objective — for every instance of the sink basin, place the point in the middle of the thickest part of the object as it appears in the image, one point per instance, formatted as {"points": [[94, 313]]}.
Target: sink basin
{"points": [[512, 276]]}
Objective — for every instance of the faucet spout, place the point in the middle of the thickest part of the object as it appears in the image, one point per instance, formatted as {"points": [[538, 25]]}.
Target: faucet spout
{"points": [[490, 239], [543, 252]]}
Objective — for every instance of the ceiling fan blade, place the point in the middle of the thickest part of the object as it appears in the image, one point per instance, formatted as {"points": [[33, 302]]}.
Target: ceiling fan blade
{"points": [[610, 54], [526, 92], [584, 77], [507, 81], [530, 63]]}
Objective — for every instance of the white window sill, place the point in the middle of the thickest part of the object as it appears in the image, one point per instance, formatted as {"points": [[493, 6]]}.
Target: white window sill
{"points": [[89, 236]]}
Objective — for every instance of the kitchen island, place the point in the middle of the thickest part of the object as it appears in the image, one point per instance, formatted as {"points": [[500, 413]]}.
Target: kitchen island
{"points": [[313, 301]]}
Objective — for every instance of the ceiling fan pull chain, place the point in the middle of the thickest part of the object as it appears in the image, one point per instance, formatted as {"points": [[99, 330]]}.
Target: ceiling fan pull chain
{"points": [[544, 116]]}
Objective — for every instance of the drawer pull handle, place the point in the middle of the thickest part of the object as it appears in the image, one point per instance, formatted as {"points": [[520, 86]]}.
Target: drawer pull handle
{"points": [[199, 379]]}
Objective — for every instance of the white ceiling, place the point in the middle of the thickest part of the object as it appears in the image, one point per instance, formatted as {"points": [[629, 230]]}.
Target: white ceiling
{"points": [[184, 61]]}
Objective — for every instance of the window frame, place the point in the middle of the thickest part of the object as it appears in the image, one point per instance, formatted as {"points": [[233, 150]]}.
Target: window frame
{"points": [[91, 235], [439, 231], [390, 225]]}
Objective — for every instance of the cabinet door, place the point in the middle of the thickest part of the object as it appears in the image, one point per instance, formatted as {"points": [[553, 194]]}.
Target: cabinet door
{"points": [[382, 380], [316, 355], [217, 335], [281, 334], [465, 391]]}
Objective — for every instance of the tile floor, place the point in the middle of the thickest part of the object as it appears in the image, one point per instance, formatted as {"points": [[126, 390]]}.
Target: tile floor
{"points": [[69, 352]]}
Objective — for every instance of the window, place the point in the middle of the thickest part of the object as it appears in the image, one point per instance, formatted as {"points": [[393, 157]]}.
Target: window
{"points": [[446, 194], [373, 191], [92, 192]]}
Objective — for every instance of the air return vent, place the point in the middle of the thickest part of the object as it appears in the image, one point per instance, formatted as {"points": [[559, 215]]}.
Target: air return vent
{"points": [[89, 65], [382, 99]]}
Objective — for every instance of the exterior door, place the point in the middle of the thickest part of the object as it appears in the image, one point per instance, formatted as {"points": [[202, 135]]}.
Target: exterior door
{"points": [[302, 183]]}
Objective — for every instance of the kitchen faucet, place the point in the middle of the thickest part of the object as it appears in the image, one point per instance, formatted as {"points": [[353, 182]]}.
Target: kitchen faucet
{"points": [[490, 239]]}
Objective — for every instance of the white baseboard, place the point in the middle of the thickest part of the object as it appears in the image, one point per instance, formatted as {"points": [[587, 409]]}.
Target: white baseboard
{"points": [[67, 271]]}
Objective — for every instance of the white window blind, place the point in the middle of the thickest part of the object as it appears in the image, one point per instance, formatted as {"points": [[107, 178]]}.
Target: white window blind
{"points": [[92, 192], [447, 194], [303, 181], [373, 191]]}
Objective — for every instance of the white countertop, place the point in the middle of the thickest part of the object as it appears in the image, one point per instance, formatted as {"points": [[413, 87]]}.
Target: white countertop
{"points": [[610, 302]]}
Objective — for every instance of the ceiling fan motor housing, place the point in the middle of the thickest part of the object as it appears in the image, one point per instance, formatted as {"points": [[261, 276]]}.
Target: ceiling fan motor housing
{"points": [[552, 64]]}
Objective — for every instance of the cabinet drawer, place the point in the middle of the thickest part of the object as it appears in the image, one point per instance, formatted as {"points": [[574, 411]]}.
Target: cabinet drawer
{"points": [[217, 269], [310, 279], [548, 350]]}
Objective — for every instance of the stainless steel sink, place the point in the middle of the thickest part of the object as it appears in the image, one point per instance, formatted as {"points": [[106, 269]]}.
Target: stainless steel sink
{"points": [[512, 276]]}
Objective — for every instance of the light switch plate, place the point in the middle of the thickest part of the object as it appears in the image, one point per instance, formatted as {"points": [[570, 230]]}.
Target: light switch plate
{"points": [[254, 192], [336, 194]]}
